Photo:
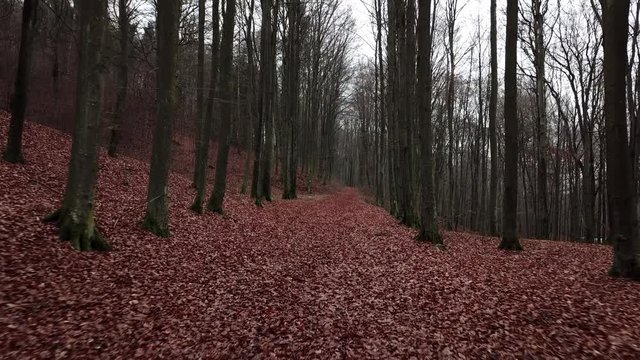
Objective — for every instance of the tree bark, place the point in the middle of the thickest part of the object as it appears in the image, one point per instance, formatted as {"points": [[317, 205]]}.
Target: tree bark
{"points": [[493, 141], [428, 224], [157, 216], [13, 152], [226, 108], [510, 207], [204, 133], [123, 76], [76, 216], [623, 217]]}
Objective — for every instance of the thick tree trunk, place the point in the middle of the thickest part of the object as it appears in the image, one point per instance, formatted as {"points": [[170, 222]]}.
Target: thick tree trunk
{"points": [[204, 132], [123, 77], [226, 108], [510, 207], [13, 152], [429, 224], [157, 216], [623, 216], [75, 218]]}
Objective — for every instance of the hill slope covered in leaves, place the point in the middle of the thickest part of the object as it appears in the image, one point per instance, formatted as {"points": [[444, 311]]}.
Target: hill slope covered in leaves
{"points": [[326, 276]]}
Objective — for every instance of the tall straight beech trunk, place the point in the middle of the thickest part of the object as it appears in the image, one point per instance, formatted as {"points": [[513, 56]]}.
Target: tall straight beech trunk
{"points": [[251, 95], [204, 133], [13, 152], [429, 224], [292, 87], [493, 141], [200, 114], [157, 217], [267, 161], [541, 123], [75, 218], [226, 108], [123, 76], [620, 186], [510, 207], [264, 100]]}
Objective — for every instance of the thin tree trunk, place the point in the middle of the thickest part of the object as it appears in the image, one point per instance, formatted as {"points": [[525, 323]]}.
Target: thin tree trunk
{"points": [[226, 108], [493, 141], [204, 132]]}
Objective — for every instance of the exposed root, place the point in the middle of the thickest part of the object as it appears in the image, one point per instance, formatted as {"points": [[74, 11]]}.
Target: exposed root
{"points": [[510, 244], [150, 224], [83, 234]]}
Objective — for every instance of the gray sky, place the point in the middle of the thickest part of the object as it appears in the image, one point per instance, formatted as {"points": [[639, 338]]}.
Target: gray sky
{"points": [[471, 11]]}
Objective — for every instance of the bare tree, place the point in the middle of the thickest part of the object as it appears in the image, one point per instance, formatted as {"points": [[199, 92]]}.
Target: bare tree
{"points": [[76, 215], [510, 207]]}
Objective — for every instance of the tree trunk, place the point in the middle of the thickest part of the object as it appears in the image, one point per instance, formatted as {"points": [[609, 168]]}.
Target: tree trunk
{"points": [[200, 115], [429, 224], [75, 218], [123, 76], [13, 152], [226, 108], [292, 86], [541, 123], [157, 217], [204, 132], [493, 141], [510, 207], [623, 219]]}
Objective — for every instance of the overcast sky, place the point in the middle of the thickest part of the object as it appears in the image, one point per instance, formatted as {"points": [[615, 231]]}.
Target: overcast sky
{"points": [[470, 11]]}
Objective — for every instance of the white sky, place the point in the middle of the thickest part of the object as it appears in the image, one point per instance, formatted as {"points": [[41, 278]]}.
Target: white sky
{"points": [[467, 19]]}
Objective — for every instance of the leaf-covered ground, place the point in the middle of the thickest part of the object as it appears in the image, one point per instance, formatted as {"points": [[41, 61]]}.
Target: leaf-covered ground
{"points": [[327, 276]]}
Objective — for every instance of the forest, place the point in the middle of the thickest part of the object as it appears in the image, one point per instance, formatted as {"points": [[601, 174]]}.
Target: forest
{"points": [[445, 179]]}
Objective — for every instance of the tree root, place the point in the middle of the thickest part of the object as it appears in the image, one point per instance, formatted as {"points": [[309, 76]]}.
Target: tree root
{"points": [[155, 228], [83, 235], [510, 244]]}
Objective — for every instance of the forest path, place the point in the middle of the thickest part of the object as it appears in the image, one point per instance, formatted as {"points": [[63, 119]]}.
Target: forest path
{"points": [[326, 276]]}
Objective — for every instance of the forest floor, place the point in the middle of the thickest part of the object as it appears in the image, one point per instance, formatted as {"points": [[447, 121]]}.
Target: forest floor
{"points": [[326, 276]]}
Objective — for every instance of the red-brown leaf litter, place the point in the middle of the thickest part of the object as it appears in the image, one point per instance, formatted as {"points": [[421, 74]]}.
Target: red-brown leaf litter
{"points": [[325, 276]]}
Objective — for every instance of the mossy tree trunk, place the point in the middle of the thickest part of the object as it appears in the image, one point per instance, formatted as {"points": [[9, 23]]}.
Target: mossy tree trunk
{"points": [[226, 108], [123, 76], [204, 133], [157, 216], [510, 209], [13, 152], [428, 224], [76, 218], [620, 185]]}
